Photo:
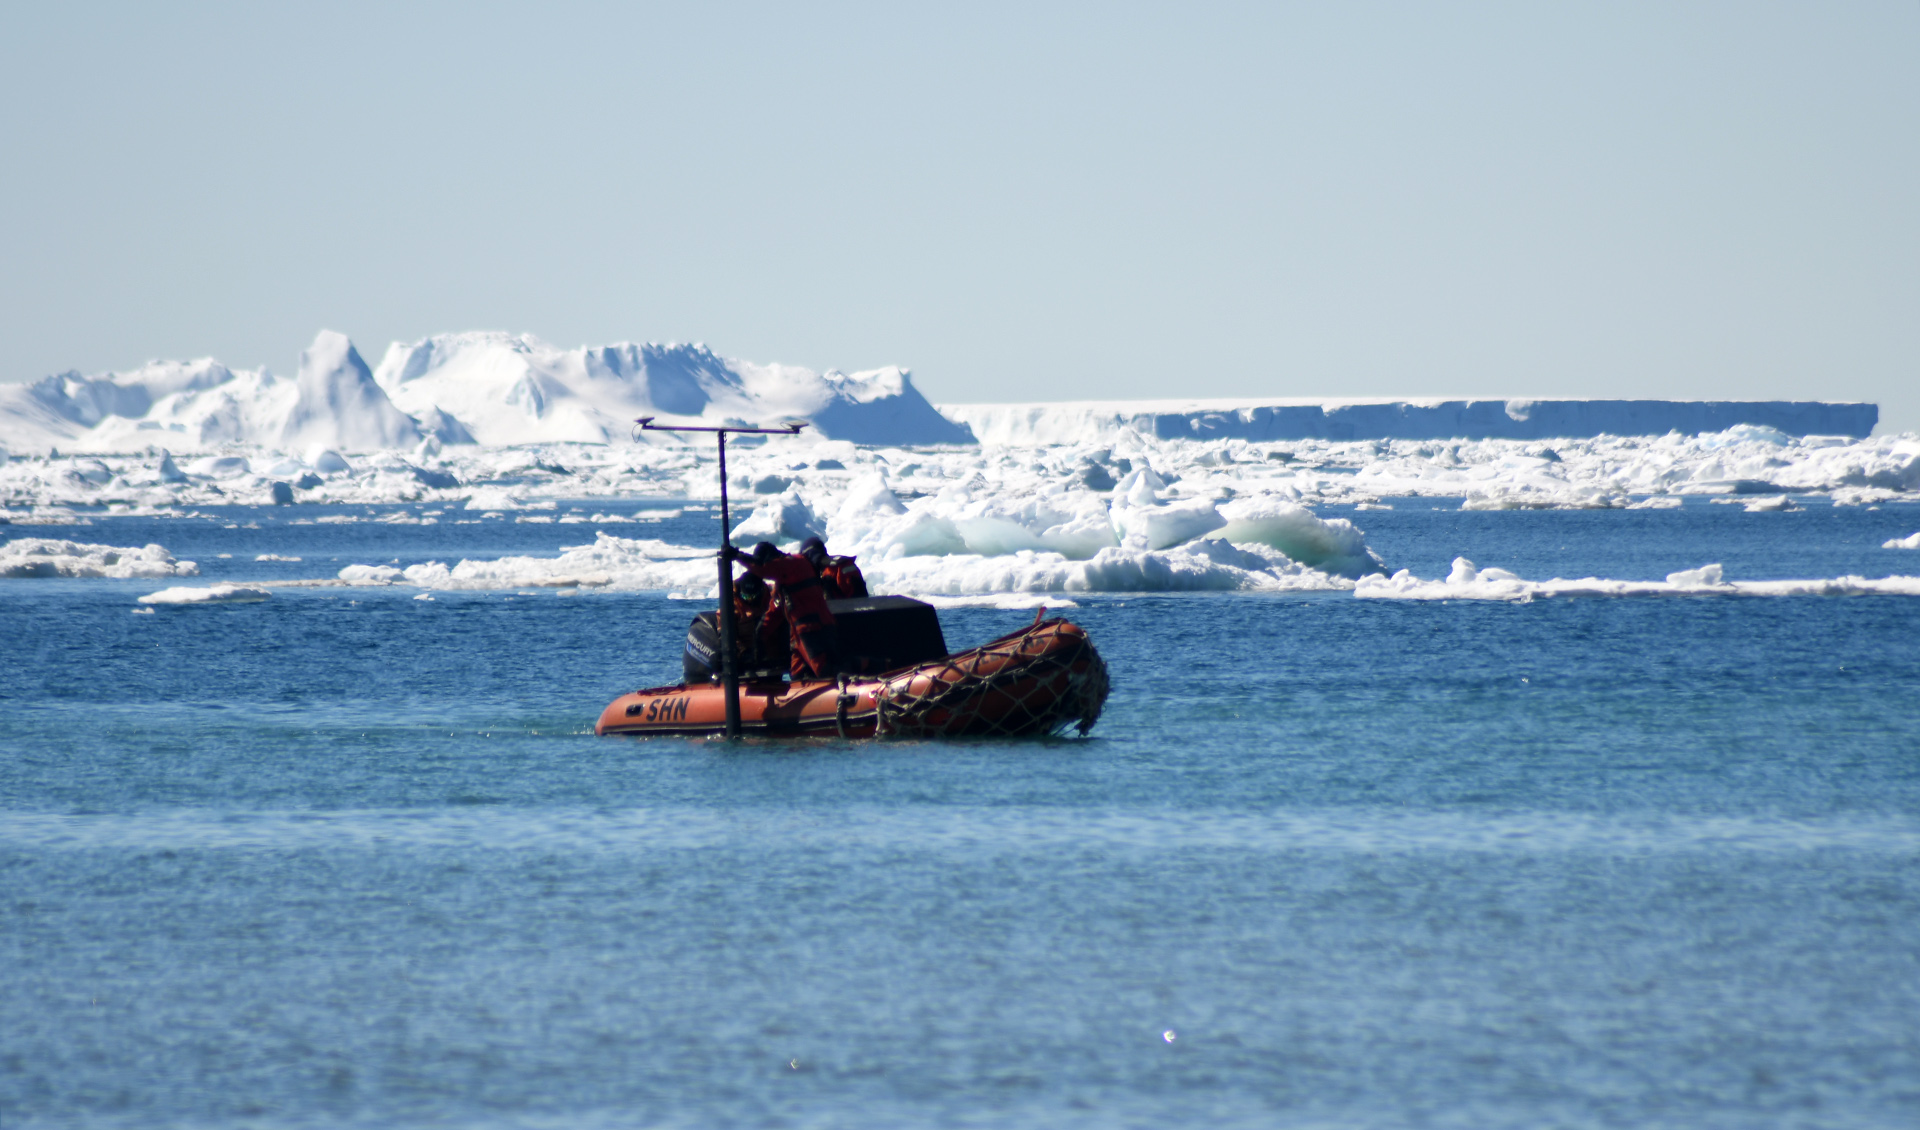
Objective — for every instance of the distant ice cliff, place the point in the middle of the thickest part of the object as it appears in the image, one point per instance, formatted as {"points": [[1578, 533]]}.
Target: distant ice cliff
{"points": [[1263, 421]]}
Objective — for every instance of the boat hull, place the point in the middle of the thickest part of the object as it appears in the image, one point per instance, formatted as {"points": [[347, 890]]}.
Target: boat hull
{"points": [[1037, 681]]}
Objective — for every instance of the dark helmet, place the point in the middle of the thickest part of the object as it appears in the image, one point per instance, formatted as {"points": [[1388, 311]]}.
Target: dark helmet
{"points": [[765, 551], [814, 550], [751, 588]]}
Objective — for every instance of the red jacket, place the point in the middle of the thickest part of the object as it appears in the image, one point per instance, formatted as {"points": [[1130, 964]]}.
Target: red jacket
{"points": [[842, 579], [763, 626], [797, 586]]}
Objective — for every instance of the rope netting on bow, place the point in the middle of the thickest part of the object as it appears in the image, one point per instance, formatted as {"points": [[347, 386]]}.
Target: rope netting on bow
{"points": [[1035, 681]]}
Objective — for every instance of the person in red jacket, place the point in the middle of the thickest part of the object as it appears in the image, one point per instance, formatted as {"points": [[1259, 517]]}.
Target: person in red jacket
{"points": [[798, 592], [761, 625], [838, 575]]}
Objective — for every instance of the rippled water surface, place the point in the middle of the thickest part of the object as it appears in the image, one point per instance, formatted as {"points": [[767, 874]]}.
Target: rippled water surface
{"points": [[350, 858]]}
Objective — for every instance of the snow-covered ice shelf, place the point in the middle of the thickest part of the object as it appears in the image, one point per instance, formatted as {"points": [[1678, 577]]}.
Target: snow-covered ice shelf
{"points": [[1415, 419]]}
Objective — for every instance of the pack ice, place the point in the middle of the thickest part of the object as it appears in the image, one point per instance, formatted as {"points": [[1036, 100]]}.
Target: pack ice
{"points": [[1057, 499], [1140, 514]]}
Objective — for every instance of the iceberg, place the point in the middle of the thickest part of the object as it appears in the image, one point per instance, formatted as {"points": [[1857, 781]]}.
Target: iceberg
{"points": [[189, 405], [504, 389], [486, 388], [338, 405], [1414, 419]]}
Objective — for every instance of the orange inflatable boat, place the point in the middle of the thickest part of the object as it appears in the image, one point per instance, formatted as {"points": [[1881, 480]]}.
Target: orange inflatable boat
{"points": [[1036, 681]]}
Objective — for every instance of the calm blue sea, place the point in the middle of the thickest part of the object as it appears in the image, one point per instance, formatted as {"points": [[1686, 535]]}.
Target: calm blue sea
{"points": [[347, 858]]}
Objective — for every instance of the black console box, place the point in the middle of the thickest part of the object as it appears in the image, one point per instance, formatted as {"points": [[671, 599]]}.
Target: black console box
{"points": [[879, 633]]}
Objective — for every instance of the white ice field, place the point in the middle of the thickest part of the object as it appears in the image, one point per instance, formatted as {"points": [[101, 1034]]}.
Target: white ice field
{"points": [[1130, 514], [1061, 499]]}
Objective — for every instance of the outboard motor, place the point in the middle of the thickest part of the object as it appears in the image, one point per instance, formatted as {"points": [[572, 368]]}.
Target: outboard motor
{"points": [[701, 662]]}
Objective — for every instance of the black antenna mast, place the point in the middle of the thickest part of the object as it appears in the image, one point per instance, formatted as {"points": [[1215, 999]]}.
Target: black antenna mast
{"points": [[729, 677]]}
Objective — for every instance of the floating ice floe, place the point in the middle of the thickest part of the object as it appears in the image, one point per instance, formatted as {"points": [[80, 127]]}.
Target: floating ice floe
{"points": [[1011, 602], [1465, 582], [49, 557], [1777, 503], [44, 516], [1206, 565], [219, 467], [1079, 536], [611, 562], [1911, 541], [955, 543], [687, 571], [212, 594]]}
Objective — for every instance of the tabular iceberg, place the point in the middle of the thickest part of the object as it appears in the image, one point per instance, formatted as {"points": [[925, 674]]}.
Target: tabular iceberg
{"points": [[1363, 419]]}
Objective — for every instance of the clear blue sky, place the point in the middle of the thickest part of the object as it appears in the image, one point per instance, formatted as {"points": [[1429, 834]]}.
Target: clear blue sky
{"points": [[1020, 202]]}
